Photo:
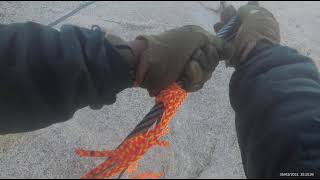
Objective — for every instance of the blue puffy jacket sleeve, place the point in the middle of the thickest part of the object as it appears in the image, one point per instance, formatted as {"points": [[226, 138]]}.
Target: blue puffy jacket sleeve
{"points": [[276, 98], [46, 75]]}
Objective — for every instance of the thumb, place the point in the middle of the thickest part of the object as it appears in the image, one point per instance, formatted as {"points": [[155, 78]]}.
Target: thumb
{"points": [[193, 76]]}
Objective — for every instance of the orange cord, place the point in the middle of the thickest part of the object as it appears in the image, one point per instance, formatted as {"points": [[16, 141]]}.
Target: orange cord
{"points": [[128, 154]]}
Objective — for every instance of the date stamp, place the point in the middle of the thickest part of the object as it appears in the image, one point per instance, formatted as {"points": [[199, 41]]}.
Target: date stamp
{"points": [[302, 174]]}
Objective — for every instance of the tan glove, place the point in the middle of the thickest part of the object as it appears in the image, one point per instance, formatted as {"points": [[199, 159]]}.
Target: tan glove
{"points": [[257, 24], [188, 53]]}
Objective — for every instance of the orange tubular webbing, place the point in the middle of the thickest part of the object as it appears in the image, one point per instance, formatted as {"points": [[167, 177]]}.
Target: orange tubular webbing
{"points": [[131, 150]]}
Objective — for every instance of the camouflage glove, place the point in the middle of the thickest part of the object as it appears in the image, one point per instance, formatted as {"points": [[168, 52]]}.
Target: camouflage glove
{"points": [[188, 53], [257, 25]]}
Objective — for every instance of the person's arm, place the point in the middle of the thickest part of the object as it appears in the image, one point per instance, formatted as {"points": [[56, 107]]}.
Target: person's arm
{"points": [[46, 75], [276, 96], [275, 93]]}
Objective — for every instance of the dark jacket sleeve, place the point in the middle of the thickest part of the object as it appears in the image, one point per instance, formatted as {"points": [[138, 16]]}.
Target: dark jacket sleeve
{"points": [[276, 98], [47, 75]]}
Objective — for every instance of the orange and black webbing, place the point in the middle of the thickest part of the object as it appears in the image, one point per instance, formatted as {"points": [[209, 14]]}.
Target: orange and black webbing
{"points": [[146, 135]]}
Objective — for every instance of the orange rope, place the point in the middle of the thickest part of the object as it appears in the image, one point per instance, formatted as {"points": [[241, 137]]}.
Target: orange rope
{"points": [[128, 154]]}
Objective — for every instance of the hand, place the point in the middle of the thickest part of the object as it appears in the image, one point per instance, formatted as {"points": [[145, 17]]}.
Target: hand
{"points": [[257, 25], [188, 53]]}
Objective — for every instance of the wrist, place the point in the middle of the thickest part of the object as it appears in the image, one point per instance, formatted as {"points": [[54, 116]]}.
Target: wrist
{"points": [[129, 51]]}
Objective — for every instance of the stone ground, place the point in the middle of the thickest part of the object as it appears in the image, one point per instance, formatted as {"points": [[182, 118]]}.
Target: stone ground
{"points": [[203, 137]]}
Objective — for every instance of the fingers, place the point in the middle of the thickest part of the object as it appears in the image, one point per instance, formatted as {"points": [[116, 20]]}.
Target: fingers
{"points": [[248, 10], [200, 68], [193, 76], [212, 57], [179, 53], [200, 57]]}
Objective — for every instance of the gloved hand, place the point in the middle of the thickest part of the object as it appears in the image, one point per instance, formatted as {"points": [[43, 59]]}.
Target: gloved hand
{"points": [[188, 53], [257, 25]]}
